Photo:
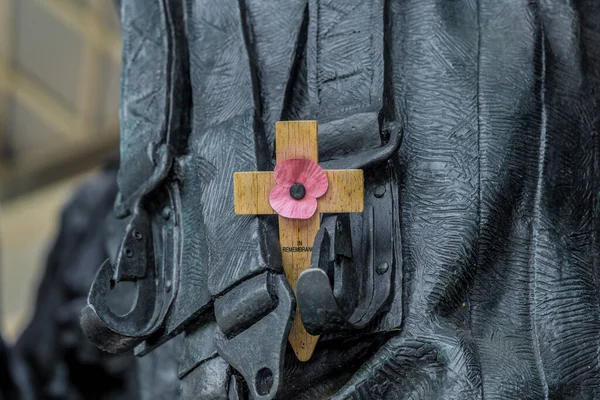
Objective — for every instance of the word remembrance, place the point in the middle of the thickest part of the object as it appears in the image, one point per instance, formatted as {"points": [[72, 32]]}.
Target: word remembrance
{"points": [[298, 191], [298, 249]]}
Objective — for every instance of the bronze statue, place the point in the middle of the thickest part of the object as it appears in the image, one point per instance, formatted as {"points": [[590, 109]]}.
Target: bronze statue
{"points": [[471, 274]]}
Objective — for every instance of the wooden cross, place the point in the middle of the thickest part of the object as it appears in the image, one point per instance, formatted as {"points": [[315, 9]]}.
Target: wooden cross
{"points": [[345, 193]]}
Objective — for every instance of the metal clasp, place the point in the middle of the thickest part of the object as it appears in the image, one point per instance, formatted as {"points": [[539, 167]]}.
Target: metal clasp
{"points": [[143, 258]]}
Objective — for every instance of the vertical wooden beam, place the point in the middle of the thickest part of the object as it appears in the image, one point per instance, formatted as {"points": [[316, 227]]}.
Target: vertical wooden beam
{"points": [[35, 97], [298, 139], [6, 39], [90, 77], [91, 27]]}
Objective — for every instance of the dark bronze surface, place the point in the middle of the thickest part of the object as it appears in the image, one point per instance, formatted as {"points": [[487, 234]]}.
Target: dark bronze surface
{"points": [[473, 272], [474, 264]]}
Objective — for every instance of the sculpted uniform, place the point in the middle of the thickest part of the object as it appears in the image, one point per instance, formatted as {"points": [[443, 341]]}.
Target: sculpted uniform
{"points": [[476, 124]]}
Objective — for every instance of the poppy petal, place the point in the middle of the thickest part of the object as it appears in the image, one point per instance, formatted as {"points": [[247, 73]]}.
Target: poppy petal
{"points": [[314, 180], [286, 172], [303, 171], [288, 207]]}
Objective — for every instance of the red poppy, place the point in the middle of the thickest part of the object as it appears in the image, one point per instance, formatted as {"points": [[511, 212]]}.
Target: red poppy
{"points": [[299, 184]]}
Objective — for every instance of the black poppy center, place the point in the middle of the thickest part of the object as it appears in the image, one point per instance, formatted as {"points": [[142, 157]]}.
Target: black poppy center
{"points": [[297, 191]]}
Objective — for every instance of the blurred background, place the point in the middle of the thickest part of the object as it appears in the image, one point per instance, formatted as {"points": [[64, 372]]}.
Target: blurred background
{"points": [[59, 96]]}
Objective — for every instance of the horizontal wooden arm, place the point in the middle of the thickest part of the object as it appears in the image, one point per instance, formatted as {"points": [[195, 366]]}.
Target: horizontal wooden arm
{"points": [[345, 194]]}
